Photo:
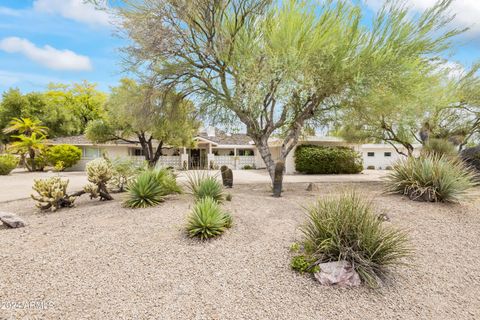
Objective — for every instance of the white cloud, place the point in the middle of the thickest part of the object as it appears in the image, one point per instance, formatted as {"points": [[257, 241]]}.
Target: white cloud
{"points": [[467, 11], [47, 56], [73, 9], [4, 11]]}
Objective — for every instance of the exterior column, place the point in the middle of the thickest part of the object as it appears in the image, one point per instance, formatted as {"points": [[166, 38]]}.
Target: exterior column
{"points": [[211, 165], [184, 159]]}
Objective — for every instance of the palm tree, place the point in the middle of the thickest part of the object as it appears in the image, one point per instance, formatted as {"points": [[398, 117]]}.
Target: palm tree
{"points": [[28, 145], [26, 126]]}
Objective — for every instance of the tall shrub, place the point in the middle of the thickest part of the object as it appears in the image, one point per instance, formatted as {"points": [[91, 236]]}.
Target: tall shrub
{"points": [[65, 155], [314, 159]]}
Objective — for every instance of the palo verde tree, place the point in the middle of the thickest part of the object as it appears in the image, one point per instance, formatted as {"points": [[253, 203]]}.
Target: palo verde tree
{"points": [[277, 65], [143, 114]]}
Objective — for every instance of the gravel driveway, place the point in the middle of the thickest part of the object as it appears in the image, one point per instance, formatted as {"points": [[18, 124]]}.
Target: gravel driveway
{"points": [[102, 261]]}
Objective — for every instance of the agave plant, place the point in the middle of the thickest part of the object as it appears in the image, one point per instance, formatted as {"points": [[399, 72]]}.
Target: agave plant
{"points": [[431, 178], [207, 220], [144, 191], [346, 228]]}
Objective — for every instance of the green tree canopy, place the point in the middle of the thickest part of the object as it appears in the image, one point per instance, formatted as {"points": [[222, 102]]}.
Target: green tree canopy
{"points": [[153, 118], [278, 66]]}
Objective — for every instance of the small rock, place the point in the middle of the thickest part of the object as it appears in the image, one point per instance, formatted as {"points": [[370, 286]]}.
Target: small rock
{"points": [[12, 220], [312, 187], [338, 273]]}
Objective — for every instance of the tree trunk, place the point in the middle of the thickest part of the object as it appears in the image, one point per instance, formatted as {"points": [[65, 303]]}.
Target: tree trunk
{"points": [[276, 176], [31, 154]]}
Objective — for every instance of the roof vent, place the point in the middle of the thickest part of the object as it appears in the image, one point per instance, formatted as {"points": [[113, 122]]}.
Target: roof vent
{"points": [[211, 131]]}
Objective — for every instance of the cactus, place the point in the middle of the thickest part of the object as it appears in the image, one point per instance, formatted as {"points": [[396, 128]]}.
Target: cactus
{"points": [[99, 172], [227, 176], [222, 171], [278, 178], [52, 194]]}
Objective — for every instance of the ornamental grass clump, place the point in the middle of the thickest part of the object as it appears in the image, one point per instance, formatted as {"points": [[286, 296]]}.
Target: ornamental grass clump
{"points": [[346, 228], [202, 185], [207, 220], [431, 178]]}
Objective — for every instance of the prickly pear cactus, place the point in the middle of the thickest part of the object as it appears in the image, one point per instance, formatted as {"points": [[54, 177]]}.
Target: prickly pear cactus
{"points": [[52, 194], [278, 178]]}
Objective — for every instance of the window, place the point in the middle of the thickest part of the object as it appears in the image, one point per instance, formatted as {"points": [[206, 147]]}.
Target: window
{"points": [[136, 152], [91, 153], [387, 154], [245, 152], [371, 154]]}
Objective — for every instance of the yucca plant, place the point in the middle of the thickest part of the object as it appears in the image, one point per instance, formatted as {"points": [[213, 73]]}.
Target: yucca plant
{"points": [[346, 228], [145, 191], [431, 178], [202, 185], [207, 220]]}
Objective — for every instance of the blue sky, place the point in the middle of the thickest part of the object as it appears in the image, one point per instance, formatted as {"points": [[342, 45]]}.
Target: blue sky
{"points": [[44, 41]]}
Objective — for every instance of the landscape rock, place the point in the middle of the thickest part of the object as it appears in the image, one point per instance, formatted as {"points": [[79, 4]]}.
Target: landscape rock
{"points": [[338, 273], [12, 220]]}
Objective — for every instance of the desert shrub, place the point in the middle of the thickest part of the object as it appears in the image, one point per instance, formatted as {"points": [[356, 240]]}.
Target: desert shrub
{"points": [[314, 159], [65, 154], [168, 180], [346, 228], [52, 194], [247, 167], [431, 178], [302, 263], [8, 162], [228, 197], [202, 185], [370, 167], [439, 147], [145, 191], [207, 220], [124, 171]]}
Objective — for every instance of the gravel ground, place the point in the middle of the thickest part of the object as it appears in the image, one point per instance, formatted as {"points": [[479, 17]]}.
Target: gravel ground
{"points": [[102, 261]]}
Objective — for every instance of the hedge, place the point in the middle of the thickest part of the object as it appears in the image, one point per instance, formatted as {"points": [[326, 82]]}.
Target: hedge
{"points": [[63, 155], [8, 162], [312, 159]]}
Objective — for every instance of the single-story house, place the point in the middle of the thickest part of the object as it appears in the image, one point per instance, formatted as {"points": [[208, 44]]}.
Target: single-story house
{"points": [[214, 148]]}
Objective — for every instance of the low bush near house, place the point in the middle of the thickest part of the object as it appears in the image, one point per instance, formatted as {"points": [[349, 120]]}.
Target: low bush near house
{"points": [[207, 220], [64, 154], [202, 185], [248, 167], [431, 178], [314, 159], [439, 147], [346, 228], [8, 162]]}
